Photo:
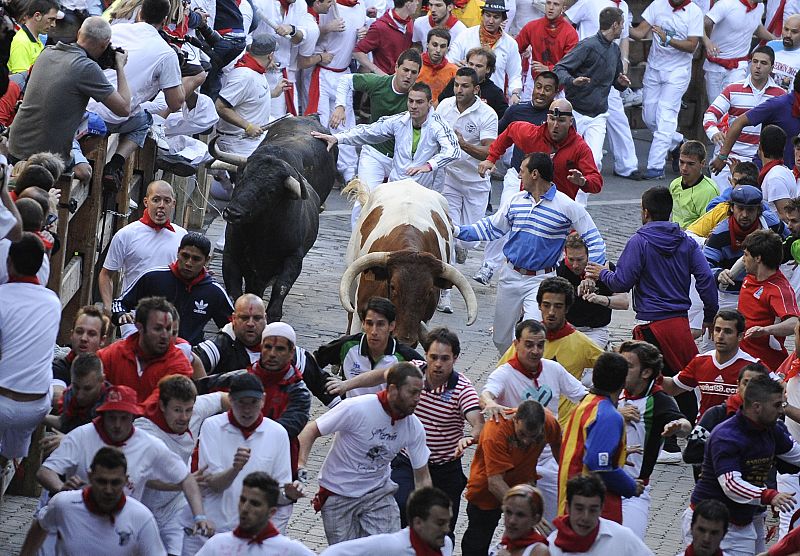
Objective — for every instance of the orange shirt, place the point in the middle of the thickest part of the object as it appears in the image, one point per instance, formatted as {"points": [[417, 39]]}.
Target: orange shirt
{"points": [[499, 454], [437, 80]]}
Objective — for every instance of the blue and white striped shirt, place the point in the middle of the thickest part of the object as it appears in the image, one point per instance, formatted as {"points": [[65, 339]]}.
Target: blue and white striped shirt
{"points": [[538, 231]]}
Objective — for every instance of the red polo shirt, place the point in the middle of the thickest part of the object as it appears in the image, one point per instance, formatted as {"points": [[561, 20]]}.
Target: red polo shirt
{"points": [[386, 40]]}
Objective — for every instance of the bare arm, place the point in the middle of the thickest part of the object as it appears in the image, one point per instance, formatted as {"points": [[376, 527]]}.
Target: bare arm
{"points": [[306, 439], [33, 540], [119, 102], [640, 32], [198, 371], [364, 61], [498, 486], [364, 380], [783, 328], [671, 388], [192, 493], [422, 477], [478, 152], [765, 35], [780, 207], [105, 283], [49, 479], [175, 97]]}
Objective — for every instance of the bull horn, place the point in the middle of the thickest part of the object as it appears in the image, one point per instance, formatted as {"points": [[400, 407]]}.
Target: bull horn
{"points": [[304, 187], [235, 159], [219, 165], [451, 274], [294, 186], [358, 266]]}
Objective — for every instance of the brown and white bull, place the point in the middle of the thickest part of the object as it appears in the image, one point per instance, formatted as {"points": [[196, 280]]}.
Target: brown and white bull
{"points": [[400, 249]]}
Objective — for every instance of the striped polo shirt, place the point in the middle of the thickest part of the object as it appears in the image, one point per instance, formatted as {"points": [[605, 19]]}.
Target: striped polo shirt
{"points": [[734, 100], [442, 412]]}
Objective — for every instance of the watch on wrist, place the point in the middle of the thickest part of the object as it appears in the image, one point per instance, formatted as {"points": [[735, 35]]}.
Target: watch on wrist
{"points": [[294, 31]]}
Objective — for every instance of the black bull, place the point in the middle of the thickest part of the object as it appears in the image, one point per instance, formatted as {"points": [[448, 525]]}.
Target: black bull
{"points": [[273, 214]]}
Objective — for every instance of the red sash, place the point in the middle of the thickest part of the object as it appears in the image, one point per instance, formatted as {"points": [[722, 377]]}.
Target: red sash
{"points": [[288, 95], [313, 89]]}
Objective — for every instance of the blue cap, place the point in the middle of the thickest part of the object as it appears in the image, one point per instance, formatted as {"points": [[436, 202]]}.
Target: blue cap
{"points": [[746, 195]]}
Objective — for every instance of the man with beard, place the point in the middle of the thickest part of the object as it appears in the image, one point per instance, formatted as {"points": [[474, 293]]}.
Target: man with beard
{"points": [[483, 61], [787, 53], [440, 16], [356, 493], [534, 112], [145, 357], [437, 70]]}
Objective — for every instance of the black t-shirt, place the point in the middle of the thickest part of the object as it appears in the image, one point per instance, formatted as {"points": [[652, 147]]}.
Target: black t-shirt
{"points": [[583, 313]]}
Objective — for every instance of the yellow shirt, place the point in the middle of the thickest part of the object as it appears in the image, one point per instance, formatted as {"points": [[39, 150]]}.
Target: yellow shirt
{"points": [[576, 353], [704, 225], [469, 15], [24, 50]]}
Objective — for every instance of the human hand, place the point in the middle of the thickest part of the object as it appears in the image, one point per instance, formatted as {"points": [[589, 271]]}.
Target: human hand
{"points": [[783, 502], [200, 476], [337, 117], [121, 58], [253, 130], [50, 442], [586, 287], [125, 318], [593, 270], [361, 33], [336, 387], [414, 170], [725, 278], [329, 139], [576, 176], [241, 458], [711, 48], [660, 33], [639, 487], [671, 428], [334, 26], [718, 138], [716, 165], [539, 67], [73, 483], [485, 166], [496, 411], [372, 12], [280, 87], [630, 413], [463, 444], [623, 80], [284, 30], [581, 81], [756, 332], [294, 491], [325, 58], [204, 528]]}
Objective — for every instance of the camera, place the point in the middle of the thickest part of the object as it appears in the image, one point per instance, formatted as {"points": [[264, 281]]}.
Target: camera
{"points": [[108, 59]]}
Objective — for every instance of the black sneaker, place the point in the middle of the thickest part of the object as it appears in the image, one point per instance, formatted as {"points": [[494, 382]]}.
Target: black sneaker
{"points": [[112, 177]]}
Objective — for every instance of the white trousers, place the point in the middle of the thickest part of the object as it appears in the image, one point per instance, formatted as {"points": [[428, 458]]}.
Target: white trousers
{"points": [[547, 469], [717, 80], [619, 136], [598, 335], [738, 541], [788, 483], [373, 168], [593, 131], [663, 90], [636, 511], [516, 294], [348, 159], [18, 420], [466, 202], [493, 253], [278, 106]]}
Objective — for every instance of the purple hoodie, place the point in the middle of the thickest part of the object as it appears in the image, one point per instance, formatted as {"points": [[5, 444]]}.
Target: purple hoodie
{"points": [[657, 264]]}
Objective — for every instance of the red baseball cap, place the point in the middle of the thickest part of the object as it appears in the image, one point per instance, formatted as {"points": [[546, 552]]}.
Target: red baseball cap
{"points": [[121, 398]]}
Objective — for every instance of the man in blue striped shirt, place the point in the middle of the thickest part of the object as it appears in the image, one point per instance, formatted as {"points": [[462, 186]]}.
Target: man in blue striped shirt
{"points": [[538, 220]]}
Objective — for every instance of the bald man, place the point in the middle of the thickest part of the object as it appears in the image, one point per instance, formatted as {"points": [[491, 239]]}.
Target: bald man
{"points": [[574, 170], [146, 243], [787, 53]]}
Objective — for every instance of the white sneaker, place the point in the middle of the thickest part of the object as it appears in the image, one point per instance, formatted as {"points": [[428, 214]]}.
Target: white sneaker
{"points": [[669, 457], [461, 255], [444, 304], [159, 134], [6, 475], [484, 274]]}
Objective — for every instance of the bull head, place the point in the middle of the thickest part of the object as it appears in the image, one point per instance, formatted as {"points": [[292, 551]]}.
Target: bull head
{"points": [[380, 259]]}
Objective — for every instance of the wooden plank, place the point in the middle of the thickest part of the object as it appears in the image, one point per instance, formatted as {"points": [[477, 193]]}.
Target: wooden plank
{"points": [[58, 259], [196, 209], [78, 196], [71, 280]]}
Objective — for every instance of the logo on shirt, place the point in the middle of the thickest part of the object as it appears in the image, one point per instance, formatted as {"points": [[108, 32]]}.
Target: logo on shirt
{"points": [[470, 127], [758, 293], [602, 459], [124, 537], [200, 307], [543, 394], [719, 379]]}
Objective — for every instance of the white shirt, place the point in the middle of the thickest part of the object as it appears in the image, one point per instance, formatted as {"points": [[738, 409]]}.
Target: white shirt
{"points": [[269, 452], [365, 445], [612, 539], [137, 248], [7, 220], [509, 63], [476, 123], [792, 7], [793, 397], [389, 544], [498, 548], [527, 10], [341, 44], [29, 318], [586, 15], [248, 92], [286, 54], [44, 272], [779, 183], [680, 25], [225, 544], [733, 30], [152, 66], [422, 26], [787, 62], [148, 458], [81, 532], [181, 444]]}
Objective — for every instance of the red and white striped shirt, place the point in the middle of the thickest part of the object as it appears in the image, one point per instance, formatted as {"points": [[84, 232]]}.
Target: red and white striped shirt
{"points": [[734, 100], [442, 412]]}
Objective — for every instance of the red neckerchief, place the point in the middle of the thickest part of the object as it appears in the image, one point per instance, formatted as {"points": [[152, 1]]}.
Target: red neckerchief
{"points": [[794, 369], [152, 411], [652, 389], [523, 542], [563, 332], [46, 239], [285, 5], [617, 2], [147, 221], [796, 105], [266, 533], [748, 7], [383, 397], [448, 24], [582, 275], [421, 548], [276, 396], [191, 283], [515, 364], [568, 540], [347, 3], [796, 172], [488, 39], [313, 14], [738, 233], [768, 166], [246, 431], [681, 6], [460, 4], [247, 61], [426, 61], [690, 551], [733, 403], [24, 280], [86, 494], [399, 19], [98, 426]]}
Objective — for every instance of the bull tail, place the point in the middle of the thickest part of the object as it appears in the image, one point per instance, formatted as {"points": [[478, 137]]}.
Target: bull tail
{"points": [[356, 190]]}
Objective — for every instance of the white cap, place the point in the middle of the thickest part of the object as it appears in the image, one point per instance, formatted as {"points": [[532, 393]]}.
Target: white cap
{"points": [[280, 329]]}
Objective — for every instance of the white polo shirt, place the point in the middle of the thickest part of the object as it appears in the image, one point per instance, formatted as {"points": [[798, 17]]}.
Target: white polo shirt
{"points": [[148, 458], [612, 538], [81, 532], [680, 25], [341, 45], [152, 67], [586, 15], [248, 92], [733, 30], [365, 444], [137, 248], [29, 318], [269, 452], [394, 544], [476, 123], [779, 183], [506, 50], [422, 26], [225, 544]]}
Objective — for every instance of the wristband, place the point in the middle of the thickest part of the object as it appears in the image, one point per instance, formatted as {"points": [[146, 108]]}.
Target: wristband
{"points": [[200, 517], [294, 31], [302, 475], [722, 156], [666, 42]]}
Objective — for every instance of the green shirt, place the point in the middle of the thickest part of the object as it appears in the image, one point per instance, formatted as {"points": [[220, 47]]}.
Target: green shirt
{"points": [[383, 101], [690, 204], [415, 135]]}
